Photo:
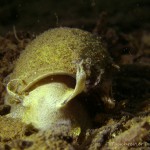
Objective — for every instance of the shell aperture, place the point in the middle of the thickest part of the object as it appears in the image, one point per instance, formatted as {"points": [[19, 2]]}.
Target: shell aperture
{"points": [[42, 104]]}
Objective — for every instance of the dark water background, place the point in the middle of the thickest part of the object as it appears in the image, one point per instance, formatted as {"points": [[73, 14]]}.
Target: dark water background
{"points": [[39, 15]]}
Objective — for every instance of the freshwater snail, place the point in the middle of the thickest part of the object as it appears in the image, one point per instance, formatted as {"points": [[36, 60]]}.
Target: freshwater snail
{"points": [[51, 72]]}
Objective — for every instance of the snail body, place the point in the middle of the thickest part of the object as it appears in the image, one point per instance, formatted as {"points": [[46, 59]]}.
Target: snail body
{"points": [[51, 73]]}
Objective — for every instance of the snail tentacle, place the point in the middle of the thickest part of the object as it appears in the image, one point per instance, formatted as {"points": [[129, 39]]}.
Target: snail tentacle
{"points": [[80, 83]]}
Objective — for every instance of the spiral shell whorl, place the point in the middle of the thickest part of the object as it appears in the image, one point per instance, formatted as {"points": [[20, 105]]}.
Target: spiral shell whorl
{"points": [[59, 50]]}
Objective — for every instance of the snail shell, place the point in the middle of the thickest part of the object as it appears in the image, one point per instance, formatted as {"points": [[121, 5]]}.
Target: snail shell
{"points": [[50, 74]]}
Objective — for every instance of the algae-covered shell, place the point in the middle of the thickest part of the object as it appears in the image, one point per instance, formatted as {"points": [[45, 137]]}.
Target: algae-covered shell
{"points": [[57, 51], [51, 72]]}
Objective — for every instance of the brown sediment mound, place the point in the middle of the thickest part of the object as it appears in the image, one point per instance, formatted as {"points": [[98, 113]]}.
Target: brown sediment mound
{"points": [[10, 129], [15, 134]]}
